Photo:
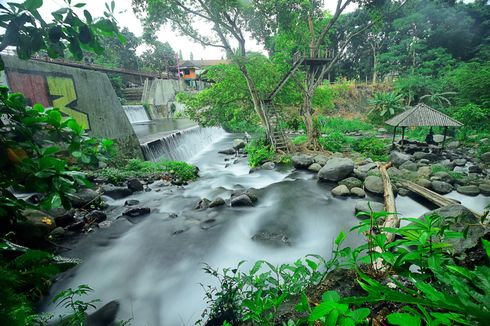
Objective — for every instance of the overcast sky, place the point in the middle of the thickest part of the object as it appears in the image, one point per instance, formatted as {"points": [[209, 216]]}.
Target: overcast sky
{"points": [[127, 18]]}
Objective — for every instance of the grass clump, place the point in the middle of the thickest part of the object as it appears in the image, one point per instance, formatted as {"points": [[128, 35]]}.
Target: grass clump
{"points": [[298, 140], [259, 152], [334, 141], [372, 147], [137, 169], [339, 124]]}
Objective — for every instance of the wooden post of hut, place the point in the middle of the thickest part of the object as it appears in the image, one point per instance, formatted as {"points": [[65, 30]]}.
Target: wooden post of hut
{"points": [[422, 115]]}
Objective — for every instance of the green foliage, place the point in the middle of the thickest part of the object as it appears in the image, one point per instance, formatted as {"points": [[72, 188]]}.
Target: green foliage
{"points": [[385, 105], [473, 117], [136, 169], [334, 141], [339, 124], [471, 81], [29, 33], [372, 147], [298, 140], [40, 152], [259, 152], [159, 57], [68, 299]]}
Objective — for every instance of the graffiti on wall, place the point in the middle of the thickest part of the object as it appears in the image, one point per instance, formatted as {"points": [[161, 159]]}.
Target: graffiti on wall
{"points": [[50, 90]]}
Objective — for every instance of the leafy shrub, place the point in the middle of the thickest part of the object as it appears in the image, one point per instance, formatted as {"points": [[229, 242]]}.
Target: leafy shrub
{"points": [[385, 105], [342, 125], [259, 152], [473, 117], [137, 168], [298, 140], [372, 147], [334, 141]]}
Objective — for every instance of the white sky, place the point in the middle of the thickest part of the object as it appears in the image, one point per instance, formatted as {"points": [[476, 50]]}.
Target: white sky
{"points": [[126, 18]]}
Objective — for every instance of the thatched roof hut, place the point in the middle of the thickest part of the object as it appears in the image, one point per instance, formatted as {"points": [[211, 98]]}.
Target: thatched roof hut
{"points": [[422, 115]]}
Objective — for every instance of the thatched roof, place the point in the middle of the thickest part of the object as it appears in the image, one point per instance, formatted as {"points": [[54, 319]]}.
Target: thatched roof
{"points": [[422, 115]]}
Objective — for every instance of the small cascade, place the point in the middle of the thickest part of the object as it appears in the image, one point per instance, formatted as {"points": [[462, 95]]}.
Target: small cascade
{"points": [[136, 113], [181, 145]]}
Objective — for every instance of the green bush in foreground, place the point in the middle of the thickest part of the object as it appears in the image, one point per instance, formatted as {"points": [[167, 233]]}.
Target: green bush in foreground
{"points": [[333, 141], [372, 147], [137, 169]]}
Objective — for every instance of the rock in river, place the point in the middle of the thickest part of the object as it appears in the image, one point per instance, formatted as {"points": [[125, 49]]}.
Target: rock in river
{"points": [[468, 190], [135, 185], [374, 184], [137, 211], [241, 200], [302, 161], [359, 192], [441, 187], [115, 192], [278, 239], [336, 169], [364, 206], [218, 201], [84, 197], [351, 182], [341, 190], [399, 158]]}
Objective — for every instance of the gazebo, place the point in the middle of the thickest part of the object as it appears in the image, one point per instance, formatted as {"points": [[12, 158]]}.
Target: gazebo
{"points": [[422, 115]]}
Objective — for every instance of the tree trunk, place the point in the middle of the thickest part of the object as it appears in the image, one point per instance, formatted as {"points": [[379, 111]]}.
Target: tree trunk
{"points": [[375, 66], [311, 129], [255, 97]]}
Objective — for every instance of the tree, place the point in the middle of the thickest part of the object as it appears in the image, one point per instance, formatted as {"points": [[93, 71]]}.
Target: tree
{"points": [[158, 57], [120, 54]]}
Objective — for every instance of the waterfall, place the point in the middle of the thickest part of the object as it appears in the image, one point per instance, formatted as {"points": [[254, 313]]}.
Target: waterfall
{"points": [[181, 145], [136, 113]]}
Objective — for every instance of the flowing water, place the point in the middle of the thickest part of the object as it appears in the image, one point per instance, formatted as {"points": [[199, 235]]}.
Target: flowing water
{"points": [[152, 264], [136, 113]]}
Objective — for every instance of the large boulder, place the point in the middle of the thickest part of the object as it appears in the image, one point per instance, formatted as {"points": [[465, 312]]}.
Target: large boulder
{"points": [[239, 144], [321, 159], [116, 192], [460, 218], [84, 197], [410, 166], [218, 201], [374, 184], [268, 166], [367, 206], [442, 176], [302, 161], [135, 185], [241, 200], [341, 190], [359, 192], [336, 169], [485, 157], [424, 171], [351, 182], [485, 188], [34, 227], [315, 167], [471, 190], [399, 158], [367, 167], [441, 187]]}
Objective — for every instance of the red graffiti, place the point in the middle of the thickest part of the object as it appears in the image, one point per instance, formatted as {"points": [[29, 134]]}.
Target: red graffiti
{"points": [[33, 87]]}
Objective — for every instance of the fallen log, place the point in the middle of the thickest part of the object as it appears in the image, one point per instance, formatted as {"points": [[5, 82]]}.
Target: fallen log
{"points": [[392, 220]]}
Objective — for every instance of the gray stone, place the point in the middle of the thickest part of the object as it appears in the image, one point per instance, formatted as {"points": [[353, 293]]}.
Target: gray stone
{"points": [[485, 157], [62, 217], [135, 185], [341, 190], [474, 169], [241, 200], [84, 197], [321, 159], [239, 144], [424, 183], [419, 155], [460, 162], [441, 187], [364, 206], [137, 211], [403, 192], [315, 167], [359, 192], [399, 158], [485, 188], [336, 169], [367, 167], [268, 166], [453, 144], [104, 225], [34, 226], [374, 184], [95, 217], [442, 176], [471, 190], [424, 162], [446, 164], [302, 161], [115, 192], [439, 138], [351, 182], [382, 130], [393, 172], [131, 202], [276, 238], [57, 233], [424, 171], [218, 201], [410, 166], [229, 151], [202, 204]]}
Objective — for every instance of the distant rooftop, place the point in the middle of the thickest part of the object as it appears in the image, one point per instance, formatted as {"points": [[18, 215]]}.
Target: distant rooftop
{"points": [[422, 115], [203, 63]]}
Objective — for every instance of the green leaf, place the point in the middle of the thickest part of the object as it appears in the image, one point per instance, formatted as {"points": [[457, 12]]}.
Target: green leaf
{"points": [[38, 107], [331, 296], [340, 238], [486, 245], [404, 319], [321, 310], [88, 16], [360, 315], [33, 4], [50, 150], [76, 154], [80, 5]]}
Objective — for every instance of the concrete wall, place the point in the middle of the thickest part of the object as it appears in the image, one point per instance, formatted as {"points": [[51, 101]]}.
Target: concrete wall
{"points": [[85, 95]]}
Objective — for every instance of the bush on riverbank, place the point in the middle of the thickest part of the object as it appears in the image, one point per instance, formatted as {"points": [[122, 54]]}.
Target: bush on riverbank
{"points": [[259, 152], [135, 168]]}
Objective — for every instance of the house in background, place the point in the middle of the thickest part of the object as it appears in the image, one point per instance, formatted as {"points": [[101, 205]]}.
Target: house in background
{"points": [[191, 70]]}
